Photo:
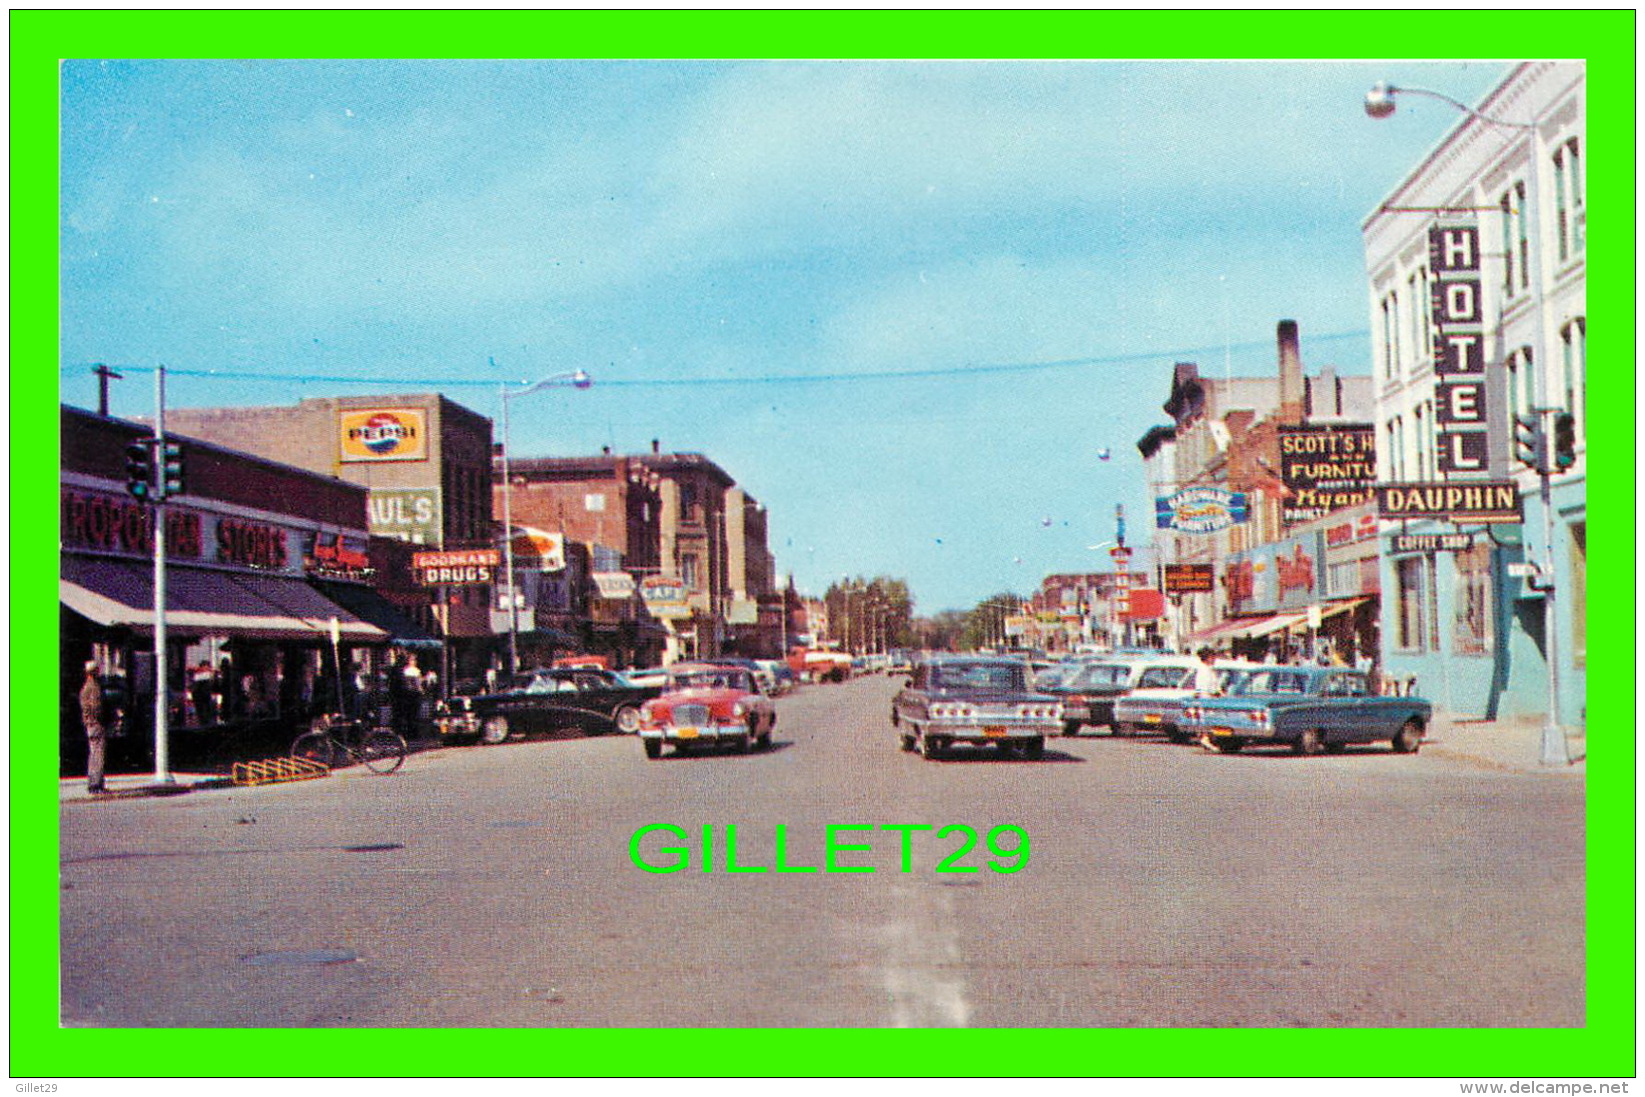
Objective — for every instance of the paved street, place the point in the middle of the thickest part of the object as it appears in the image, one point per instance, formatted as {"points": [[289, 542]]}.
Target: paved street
{"points": [[492, 886]]}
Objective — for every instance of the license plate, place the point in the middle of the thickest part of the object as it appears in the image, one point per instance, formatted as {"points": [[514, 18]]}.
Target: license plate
{"points": [[993, 732], [685, 733], [1150, 718], [1222, 731]]}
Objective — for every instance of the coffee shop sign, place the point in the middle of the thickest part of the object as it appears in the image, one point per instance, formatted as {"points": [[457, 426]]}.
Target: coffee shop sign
{"points": [[1200, 510]]}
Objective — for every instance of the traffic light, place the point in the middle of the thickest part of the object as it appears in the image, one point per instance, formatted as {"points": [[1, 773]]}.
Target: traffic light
{"points": [[1564, 440], [140, 471], [171, 470], [1528, 441]]}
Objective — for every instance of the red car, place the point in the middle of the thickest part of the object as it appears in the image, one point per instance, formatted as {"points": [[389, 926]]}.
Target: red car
{"points": [[707, 705]]}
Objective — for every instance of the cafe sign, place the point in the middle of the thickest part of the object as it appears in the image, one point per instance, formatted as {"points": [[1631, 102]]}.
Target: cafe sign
{"points": [[1200, 510]]}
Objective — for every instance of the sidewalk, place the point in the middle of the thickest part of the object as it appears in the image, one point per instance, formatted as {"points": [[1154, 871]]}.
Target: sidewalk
{"points": [[1512, 745]]}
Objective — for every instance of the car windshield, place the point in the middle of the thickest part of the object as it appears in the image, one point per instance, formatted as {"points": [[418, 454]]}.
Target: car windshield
{"points": [[1166, 678], [1229, 680], [1050, 677], [717, 678], [1274, 681], [1102, 676], [980, 676]]}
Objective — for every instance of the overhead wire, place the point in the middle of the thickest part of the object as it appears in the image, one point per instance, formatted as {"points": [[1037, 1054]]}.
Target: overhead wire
{"points": [[986, 369]]}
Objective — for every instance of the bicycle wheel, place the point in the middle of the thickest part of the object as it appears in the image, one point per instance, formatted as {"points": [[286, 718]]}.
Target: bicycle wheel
{"points": [[314, 746], [382, 751]]}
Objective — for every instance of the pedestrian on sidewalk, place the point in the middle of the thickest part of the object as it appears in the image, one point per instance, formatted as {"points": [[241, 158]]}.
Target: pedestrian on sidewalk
{"points": [[91, 715]]}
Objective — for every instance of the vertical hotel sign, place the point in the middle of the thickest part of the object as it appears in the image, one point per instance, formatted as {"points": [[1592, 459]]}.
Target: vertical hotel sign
{"points": [[1459, 349]]}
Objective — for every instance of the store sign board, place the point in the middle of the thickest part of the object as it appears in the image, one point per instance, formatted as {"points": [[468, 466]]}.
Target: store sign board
{"points": [[1189, 579], [615, 585], [665, 597], [472, 567], [1325, 469], [382, 434], [539, 549], [1200, 510], [406, 514], [1461, 501]]}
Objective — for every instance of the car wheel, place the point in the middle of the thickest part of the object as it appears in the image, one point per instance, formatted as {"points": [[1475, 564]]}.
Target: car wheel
{"points": [[1034, 749], [907, 742], [627, 719], [1409, 738], [930, 746], [1070, 728], [1335, 748], [494, 730], [1118, 730], [653, 748], [765, 738], [742, 743], [1311, 741], [1177, 737], [1228, 745]]}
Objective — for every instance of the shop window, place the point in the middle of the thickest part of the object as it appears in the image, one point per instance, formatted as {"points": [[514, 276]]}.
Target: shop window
{"points": [[1412, 587], [1471, 632], [1422, 339], [1579, 594]]}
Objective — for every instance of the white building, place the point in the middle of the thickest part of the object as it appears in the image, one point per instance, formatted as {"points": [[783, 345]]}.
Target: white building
{"points": [[1473, 635]]}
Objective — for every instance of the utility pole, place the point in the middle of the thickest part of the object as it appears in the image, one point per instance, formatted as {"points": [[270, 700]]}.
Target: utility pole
{"points": [[1554, 750], [162, 690], [103, 375]]}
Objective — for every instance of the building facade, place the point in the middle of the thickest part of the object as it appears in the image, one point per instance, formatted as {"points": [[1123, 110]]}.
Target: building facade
{"points": [[1261, 535], [268, 585], [1463, 620], [425, 463]]}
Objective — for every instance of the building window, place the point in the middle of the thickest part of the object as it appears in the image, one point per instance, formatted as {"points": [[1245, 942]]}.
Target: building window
{"points": [[1573, 339], [1409, 581], [1568, 201], [1390, 336], [688, 572], [1396, 446], [1516, 244], [1472, 633], [1422, 341], [1579, 593], [1522, 393]]}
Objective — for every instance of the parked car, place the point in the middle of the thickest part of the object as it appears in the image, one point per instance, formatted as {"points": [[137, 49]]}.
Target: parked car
{"points": [[1309, 709], [763, 677], [1155, 704], [1088, 691], [782, 679], [707, 705], [591, 699], [975, 700]]}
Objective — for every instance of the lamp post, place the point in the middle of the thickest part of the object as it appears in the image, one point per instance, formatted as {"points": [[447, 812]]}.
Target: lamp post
{"points": [[1379, 103], [576, 379]]}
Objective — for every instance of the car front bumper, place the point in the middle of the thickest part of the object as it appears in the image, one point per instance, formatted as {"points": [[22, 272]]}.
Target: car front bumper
{"points": [[699, 733]]}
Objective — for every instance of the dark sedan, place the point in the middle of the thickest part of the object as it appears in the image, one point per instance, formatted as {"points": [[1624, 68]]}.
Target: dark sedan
{"points": [[586, 699], [1309, 709], [977, 701]]}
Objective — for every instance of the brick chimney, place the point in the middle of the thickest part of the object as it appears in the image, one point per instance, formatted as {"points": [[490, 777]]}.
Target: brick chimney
{"points": [[1291, 397]]}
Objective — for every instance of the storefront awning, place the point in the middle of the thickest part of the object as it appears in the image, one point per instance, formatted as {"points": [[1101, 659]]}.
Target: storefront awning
{"points": [[205, 601], [373, 608], [1243, 628], [1343, 606]]}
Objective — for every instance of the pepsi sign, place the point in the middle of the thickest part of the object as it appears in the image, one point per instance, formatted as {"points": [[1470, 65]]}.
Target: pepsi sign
{"points": [[383, 434]]}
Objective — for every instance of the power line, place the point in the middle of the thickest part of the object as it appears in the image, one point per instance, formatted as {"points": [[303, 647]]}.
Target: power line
{"points": [[767, 379]]}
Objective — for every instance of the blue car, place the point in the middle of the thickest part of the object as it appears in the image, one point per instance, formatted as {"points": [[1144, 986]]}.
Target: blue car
{"points": [[1309, 709]]}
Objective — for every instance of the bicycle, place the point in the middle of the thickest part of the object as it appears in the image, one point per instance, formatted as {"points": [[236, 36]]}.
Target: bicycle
{"points": [[331, 737]]}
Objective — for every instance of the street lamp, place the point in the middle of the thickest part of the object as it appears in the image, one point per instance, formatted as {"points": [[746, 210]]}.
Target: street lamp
{"points": [[576, 379], [1379, 103]]}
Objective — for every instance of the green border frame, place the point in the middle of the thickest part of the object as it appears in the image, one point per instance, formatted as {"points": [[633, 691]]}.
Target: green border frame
{"points": [[1604, 1048]]}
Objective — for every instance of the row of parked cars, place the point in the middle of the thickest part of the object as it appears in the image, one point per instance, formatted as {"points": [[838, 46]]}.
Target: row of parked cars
{"points": [[1226, 704]]}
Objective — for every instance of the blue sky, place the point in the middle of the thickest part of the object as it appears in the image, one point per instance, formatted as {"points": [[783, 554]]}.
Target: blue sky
{"points": [[739, 252]]}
